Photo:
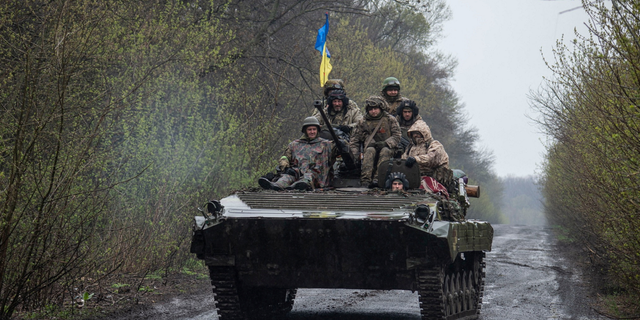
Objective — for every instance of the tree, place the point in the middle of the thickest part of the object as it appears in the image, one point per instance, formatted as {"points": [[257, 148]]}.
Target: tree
{"points": [[590, 110]]}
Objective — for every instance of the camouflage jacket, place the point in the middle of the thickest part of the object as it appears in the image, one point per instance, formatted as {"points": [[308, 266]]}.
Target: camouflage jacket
{"points": [[347, 117], [389, 131], [405, 125], [393, 102], [312, 156], [430, 154]]}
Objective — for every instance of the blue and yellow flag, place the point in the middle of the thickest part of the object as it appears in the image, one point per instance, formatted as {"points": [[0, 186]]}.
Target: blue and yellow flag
{"points": [[321, 45]]}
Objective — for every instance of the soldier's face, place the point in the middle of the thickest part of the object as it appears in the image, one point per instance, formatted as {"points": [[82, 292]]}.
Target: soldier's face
{"points": [[374, 112], [407, 114], [337, 104], [312, 132], [396, 186], [392, 92]]}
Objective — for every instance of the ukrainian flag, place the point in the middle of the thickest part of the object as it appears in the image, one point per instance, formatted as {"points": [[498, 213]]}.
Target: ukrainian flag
{"points": [[321, 45]]}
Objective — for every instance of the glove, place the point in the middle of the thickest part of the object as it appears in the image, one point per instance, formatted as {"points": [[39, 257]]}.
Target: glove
{"points": [[371, 144], [345, 129], [404, 143], [380, 145], [283, 162], [410, 162], [290, 172]]}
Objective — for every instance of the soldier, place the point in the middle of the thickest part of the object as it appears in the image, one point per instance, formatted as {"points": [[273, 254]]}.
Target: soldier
{"points": [[397, 182], [407, 114], [306, 162], [428, 153], [336, 84], [379, 134], [391, 93], [340, 112]]}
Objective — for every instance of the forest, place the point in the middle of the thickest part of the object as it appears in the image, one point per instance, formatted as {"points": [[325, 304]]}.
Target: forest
{"points": [[589, 110], [119, 118]]}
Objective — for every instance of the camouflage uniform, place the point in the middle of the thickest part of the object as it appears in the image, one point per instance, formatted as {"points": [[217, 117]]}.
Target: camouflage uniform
{"points": [[338, 84], [405, 125], [312, 160], [350, 115], [389, 132], [429, 154], [393, 102]]}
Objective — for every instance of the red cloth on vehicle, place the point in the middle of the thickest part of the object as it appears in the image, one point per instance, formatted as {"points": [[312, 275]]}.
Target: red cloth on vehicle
{"points": [[428, 183]]}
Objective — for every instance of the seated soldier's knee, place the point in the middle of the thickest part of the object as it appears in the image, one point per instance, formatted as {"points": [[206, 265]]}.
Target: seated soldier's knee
{"points": [[369, 152], [386, 152]]}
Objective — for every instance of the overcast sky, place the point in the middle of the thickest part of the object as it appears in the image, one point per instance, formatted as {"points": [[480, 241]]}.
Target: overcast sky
{"points": [[498, 45]]}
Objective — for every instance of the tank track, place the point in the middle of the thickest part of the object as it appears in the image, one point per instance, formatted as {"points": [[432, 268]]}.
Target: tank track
{"points": [[231, 305], [227, 301], [446, 294]]}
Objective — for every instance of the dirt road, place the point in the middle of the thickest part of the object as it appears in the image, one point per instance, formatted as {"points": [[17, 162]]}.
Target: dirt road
{"points": [[527, 278]]}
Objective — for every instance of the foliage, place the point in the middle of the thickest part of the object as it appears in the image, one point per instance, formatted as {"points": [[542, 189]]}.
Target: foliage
{"points": [[590, 110], [119, 118]]}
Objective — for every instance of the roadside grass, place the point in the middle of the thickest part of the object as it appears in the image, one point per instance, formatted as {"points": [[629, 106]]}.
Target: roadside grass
{"points": [[113, 295], [619, 305]]}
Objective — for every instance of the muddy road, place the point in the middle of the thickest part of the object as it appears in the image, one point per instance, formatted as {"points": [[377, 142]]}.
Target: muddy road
{"points": [[527, 278]]}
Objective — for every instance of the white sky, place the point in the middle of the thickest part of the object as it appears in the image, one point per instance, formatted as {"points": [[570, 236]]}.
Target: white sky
{"points": [[498, 46]]}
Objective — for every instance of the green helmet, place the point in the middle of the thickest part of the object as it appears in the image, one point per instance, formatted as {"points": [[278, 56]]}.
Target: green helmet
{"points": [[390, 82], [333, 84], [310, 121]]}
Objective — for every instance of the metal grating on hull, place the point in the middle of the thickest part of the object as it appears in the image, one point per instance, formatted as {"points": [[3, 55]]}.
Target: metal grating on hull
{"points": [[328, 201]]}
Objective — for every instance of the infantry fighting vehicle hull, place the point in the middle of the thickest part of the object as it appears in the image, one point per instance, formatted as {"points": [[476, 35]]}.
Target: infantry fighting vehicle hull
{"points": [[260, 246]]}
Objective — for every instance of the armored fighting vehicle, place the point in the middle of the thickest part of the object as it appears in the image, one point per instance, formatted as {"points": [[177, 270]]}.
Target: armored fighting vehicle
{"points": [[262, 245]]}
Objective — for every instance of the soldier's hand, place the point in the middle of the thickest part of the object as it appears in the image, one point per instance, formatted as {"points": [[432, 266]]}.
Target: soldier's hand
{"points": [[345, 129], [410, 162]]}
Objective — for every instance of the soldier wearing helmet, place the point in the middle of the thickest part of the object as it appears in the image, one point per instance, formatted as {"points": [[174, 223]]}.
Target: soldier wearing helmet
{"points": [[306, 162], [391, 93], [397, 182], [342, 115], [407, 114], [336, 84], [378, 134]]}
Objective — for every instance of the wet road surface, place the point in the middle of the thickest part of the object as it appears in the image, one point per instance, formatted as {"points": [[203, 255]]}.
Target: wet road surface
{"points": [[527, 278]]}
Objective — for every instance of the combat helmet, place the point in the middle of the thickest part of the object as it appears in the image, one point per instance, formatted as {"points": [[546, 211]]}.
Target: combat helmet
{"points": [[397, 176], [338, 94], [408, 104], [375, 101], [333, 84], [390, 82], [310, 121]]}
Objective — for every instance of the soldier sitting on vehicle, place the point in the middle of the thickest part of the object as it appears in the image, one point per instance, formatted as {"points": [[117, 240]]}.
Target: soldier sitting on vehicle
{"points": [[341, 113], [407, 114], [379, 135], [428, 153], [336, 84], [306, 162], [391, 93]]}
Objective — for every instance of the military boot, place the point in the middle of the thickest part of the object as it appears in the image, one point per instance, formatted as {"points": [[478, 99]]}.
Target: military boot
{"points": [[266, 184], [301, 185]]}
